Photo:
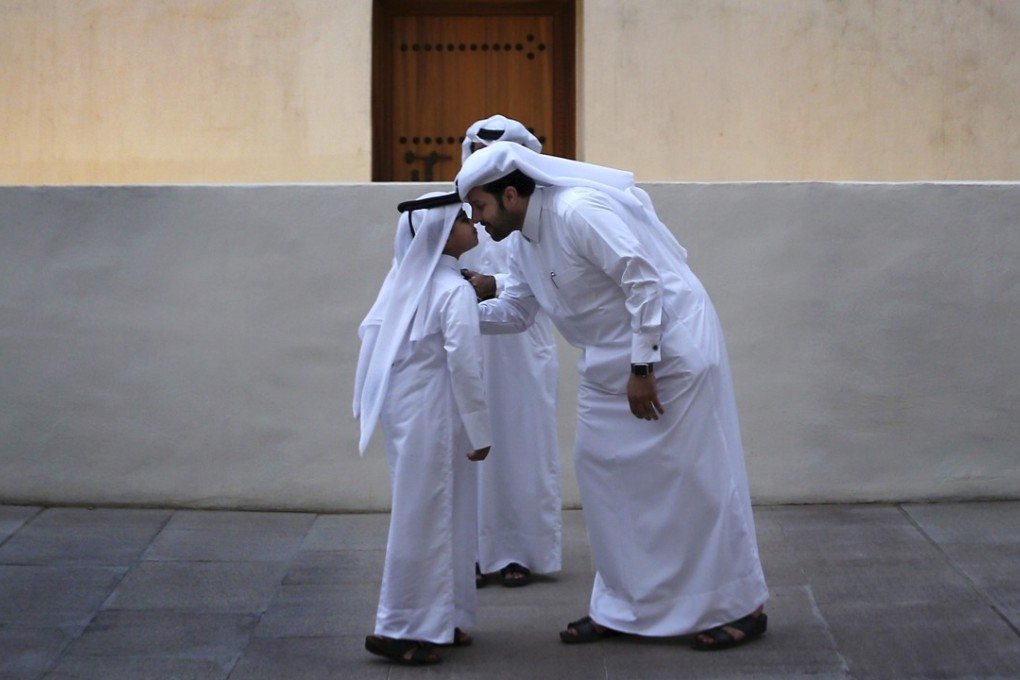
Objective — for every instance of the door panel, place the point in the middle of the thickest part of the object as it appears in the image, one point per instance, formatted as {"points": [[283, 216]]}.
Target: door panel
{"points": [[440, 66]]}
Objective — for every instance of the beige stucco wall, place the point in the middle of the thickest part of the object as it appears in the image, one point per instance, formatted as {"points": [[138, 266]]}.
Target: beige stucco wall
{"points": [[197, 91], [187, 91], [885, 90]]}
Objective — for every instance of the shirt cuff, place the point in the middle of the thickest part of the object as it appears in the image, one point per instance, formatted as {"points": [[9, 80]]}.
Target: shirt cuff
{"points": [[500, 283], [478, 429], [644, 348]]}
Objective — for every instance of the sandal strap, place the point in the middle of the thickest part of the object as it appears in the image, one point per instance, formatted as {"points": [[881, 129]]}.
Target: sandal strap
{"points": [[584, 631], [515, 568], [719, 634], [422, 653], [749, 625], [580, 622]]}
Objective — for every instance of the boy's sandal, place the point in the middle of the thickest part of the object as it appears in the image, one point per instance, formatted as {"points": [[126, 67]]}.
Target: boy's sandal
{"points": [[460, 639], [514, 575], [404, 652], [753, 626], [479, 577], [585, 630]]}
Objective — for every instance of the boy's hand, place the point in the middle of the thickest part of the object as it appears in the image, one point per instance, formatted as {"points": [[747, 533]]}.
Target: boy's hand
{"points": [[479, 454]]}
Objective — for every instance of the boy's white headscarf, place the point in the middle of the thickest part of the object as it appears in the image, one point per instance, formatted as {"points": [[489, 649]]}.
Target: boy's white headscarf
{"points": [[498, 128], [419, 241]]}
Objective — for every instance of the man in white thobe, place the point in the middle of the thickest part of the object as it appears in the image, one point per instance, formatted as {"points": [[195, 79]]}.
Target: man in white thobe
{"points": [[658, 454], [519, 504]]}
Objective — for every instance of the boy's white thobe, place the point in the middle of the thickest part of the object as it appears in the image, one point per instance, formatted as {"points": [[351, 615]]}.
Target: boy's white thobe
{"points": [[434, 414]]}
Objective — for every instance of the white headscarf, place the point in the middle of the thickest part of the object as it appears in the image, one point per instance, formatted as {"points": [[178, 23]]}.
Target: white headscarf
{"points": [[510, 129], [403, 292], [499, 159]]}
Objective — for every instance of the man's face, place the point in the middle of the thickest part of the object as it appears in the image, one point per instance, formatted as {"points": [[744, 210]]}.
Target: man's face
{"points": [[499, 219]]}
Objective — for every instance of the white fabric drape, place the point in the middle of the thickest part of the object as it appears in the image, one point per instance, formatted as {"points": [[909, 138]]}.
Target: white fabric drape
{"points": [[502, 158]]}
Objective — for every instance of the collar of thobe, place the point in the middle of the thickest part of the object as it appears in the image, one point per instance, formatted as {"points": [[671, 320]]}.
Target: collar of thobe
{"points": [[532, 227], [403, 293], [498, 128], [448, 261], [499, 159]]}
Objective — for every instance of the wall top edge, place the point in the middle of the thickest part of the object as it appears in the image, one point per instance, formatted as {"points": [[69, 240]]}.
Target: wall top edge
{"points": [[429, 185]]}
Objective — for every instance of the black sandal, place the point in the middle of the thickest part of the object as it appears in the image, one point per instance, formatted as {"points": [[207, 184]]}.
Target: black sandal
{"points": [[460, 639], [514, 575], [585, 630], [753, 626], [421, 653], [479, 577]]}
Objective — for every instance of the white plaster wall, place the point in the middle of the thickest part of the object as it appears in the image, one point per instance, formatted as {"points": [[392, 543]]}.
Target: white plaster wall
{"points": [[195, 346], [873, 332]]}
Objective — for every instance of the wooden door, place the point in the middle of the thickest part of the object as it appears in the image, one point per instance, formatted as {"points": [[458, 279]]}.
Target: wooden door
{"points": [[440, 65]]}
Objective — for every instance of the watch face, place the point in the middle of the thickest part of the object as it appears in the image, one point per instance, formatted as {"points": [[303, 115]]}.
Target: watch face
{"points": [[640, 370]]}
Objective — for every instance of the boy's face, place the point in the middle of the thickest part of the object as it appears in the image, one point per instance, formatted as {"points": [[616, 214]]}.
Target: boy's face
{"points": [[463, 237]]}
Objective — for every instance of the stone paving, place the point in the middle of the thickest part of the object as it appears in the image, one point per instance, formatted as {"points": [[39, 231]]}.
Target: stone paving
{"points": [[858, 591]]}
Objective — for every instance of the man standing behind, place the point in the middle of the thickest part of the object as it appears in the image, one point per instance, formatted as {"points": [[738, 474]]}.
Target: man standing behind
{"points": [[657, 453], [519, 506]]}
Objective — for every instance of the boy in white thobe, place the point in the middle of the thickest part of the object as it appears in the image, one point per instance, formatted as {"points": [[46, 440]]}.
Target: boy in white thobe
{"points": [[519, 504], [420, 372], [658, 454]]}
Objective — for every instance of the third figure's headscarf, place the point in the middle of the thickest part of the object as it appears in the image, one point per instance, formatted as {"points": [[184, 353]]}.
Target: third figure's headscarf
{"points": [[498, 128]]}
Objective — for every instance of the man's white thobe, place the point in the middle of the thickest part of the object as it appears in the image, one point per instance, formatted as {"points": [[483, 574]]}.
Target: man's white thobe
{"points": [[519, 506], [666, 502], [434, 414]]}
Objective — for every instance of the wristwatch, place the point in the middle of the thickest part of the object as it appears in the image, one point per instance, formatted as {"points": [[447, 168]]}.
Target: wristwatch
{"points": [[641, 370]]}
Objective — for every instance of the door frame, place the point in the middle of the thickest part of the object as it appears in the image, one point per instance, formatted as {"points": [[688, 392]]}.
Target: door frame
{"points": [[563, 13]]}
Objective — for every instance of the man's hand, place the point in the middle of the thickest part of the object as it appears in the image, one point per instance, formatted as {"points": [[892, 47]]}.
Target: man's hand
{"points": [[643, 396], [479, 454], [484, 285]]}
